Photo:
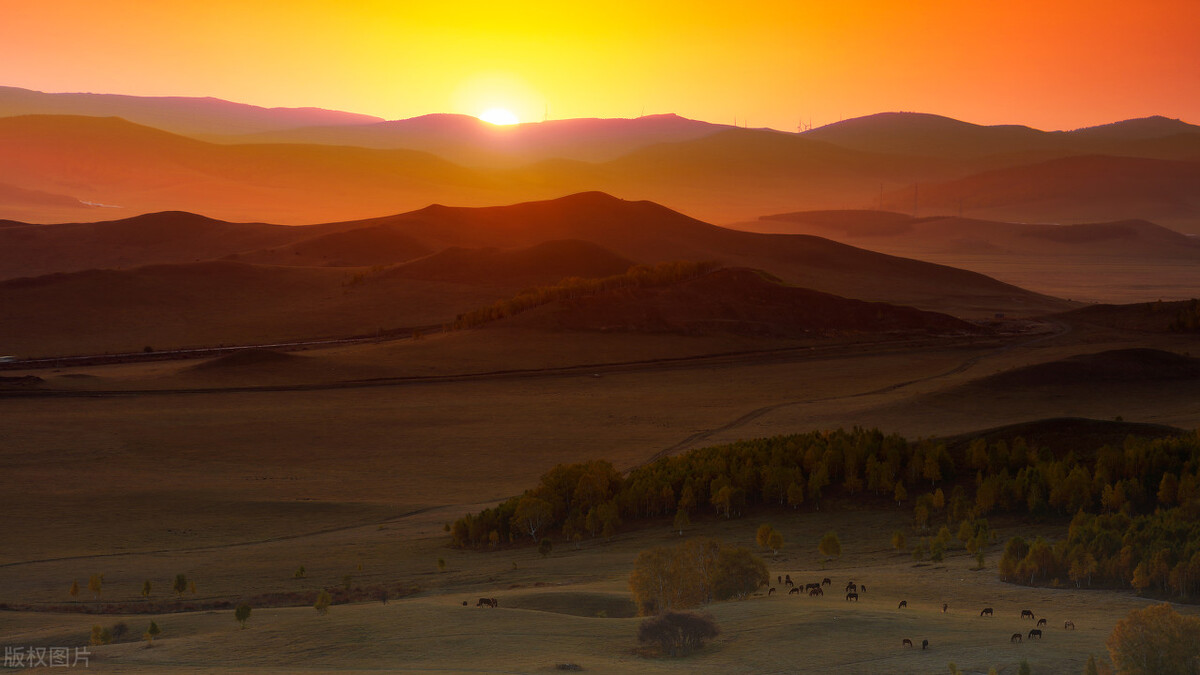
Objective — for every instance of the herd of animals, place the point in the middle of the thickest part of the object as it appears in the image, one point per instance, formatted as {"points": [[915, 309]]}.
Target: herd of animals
{"points": [[853, 589]]}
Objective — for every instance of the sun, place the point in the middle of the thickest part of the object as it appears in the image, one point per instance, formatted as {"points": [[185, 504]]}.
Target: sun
{"points": [[499, 116]]}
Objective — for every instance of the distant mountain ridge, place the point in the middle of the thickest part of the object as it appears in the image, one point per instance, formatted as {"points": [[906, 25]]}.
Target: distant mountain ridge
{"points": [[177, 114], [299, 166]]}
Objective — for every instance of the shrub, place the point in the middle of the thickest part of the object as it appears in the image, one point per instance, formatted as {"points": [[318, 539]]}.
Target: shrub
{"points": [[323, 602], [678, 633], [242, 613]]}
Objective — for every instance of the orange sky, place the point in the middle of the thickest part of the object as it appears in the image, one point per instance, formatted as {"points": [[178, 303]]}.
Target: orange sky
{"points": [[1048, 63]]}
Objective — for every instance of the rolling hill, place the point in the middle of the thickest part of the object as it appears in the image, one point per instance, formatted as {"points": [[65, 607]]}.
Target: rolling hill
{"points": [[888, 231], [641, 232], [736, 301]]}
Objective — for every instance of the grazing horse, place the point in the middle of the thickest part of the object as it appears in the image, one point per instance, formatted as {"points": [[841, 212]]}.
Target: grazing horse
{"points": [[987, 611], [794, 591], [815, 592], [850, 586], [1035, 633], [809, 587], [1041, 622], [1015, 638], [1069, 625], [1027, 613], [906, 642], [826, 581], [770, 591], [852, 596], [902, 605], [945, 607], [487, 602], [787, 580]]}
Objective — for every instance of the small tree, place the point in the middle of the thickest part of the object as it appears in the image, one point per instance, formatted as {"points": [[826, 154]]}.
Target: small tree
{"points": [[100, 636], [830, 546], [1091, 668], [898, 542], [151, 633], [545, 546], [763, 533], [146, 588], [192, 587], [119, 630], [775, 542], [1024, 668], [323, 602], [681, 521], [678, 633], [242, 613], [299, 573], [74, 590], [532, 514], [441, 564], [936, 553], [96, 585], [180, 585]]}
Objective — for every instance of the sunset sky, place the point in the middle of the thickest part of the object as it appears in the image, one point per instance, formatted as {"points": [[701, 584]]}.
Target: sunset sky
{"points": [[1051, 65]]}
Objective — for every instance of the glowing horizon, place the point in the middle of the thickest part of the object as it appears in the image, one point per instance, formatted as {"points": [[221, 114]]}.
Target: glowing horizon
{"points": [[790, 64]]}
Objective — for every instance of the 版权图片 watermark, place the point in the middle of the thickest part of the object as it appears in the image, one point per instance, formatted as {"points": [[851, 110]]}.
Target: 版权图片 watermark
{"points": [[46, 657]]}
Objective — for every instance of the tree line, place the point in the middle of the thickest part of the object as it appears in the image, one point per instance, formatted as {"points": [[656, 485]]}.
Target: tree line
{"points": [[1135, 508]]}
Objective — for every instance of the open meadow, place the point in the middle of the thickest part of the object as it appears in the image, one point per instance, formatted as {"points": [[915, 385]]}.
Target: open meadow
{"points": [[349, 461]]}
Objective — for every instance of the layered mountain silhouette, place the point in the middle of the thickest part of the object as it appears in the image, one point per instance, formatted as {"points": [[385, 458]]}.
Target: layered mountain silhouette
{"points": [[442, 261], [299, 166], [177, 114], [885, 230]]}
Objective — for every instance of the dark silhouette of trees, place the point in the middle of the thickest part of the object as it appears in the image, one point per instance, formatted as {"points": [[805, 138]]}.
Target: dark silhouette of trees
{"points": [[678, 633]]}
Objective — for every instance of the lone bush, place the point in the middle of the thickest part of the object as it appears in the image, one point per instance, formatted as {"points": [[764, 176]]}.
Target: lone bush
{"points": [[242, 613], [678, 633]]}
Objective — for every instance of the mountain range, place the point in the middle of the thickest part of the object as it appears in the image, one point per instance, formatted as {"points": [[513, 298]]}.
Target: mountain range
{"points": [[67, 159]]}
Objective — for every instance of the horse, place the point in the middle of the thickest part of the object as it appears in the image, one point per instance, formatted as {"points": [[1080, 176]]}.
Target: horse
{"points": [[1041, 622], [487, 602], [945, 607], [1035, 633], [902, 605], [1016, 637], [850, 586], [987, 611], [770, 591], [826, 581], [809, 587], [906, 642], [1069, 625], [852, 596], [862, 588], [794, 591], [787, 580], [779, 580], [924, 644], [1027, 613], [815, 592]]}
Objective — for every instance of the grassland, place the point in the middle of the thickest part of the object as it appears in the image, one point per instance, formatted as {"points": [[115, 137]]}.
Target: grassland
{"points": [[145, 471]]}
